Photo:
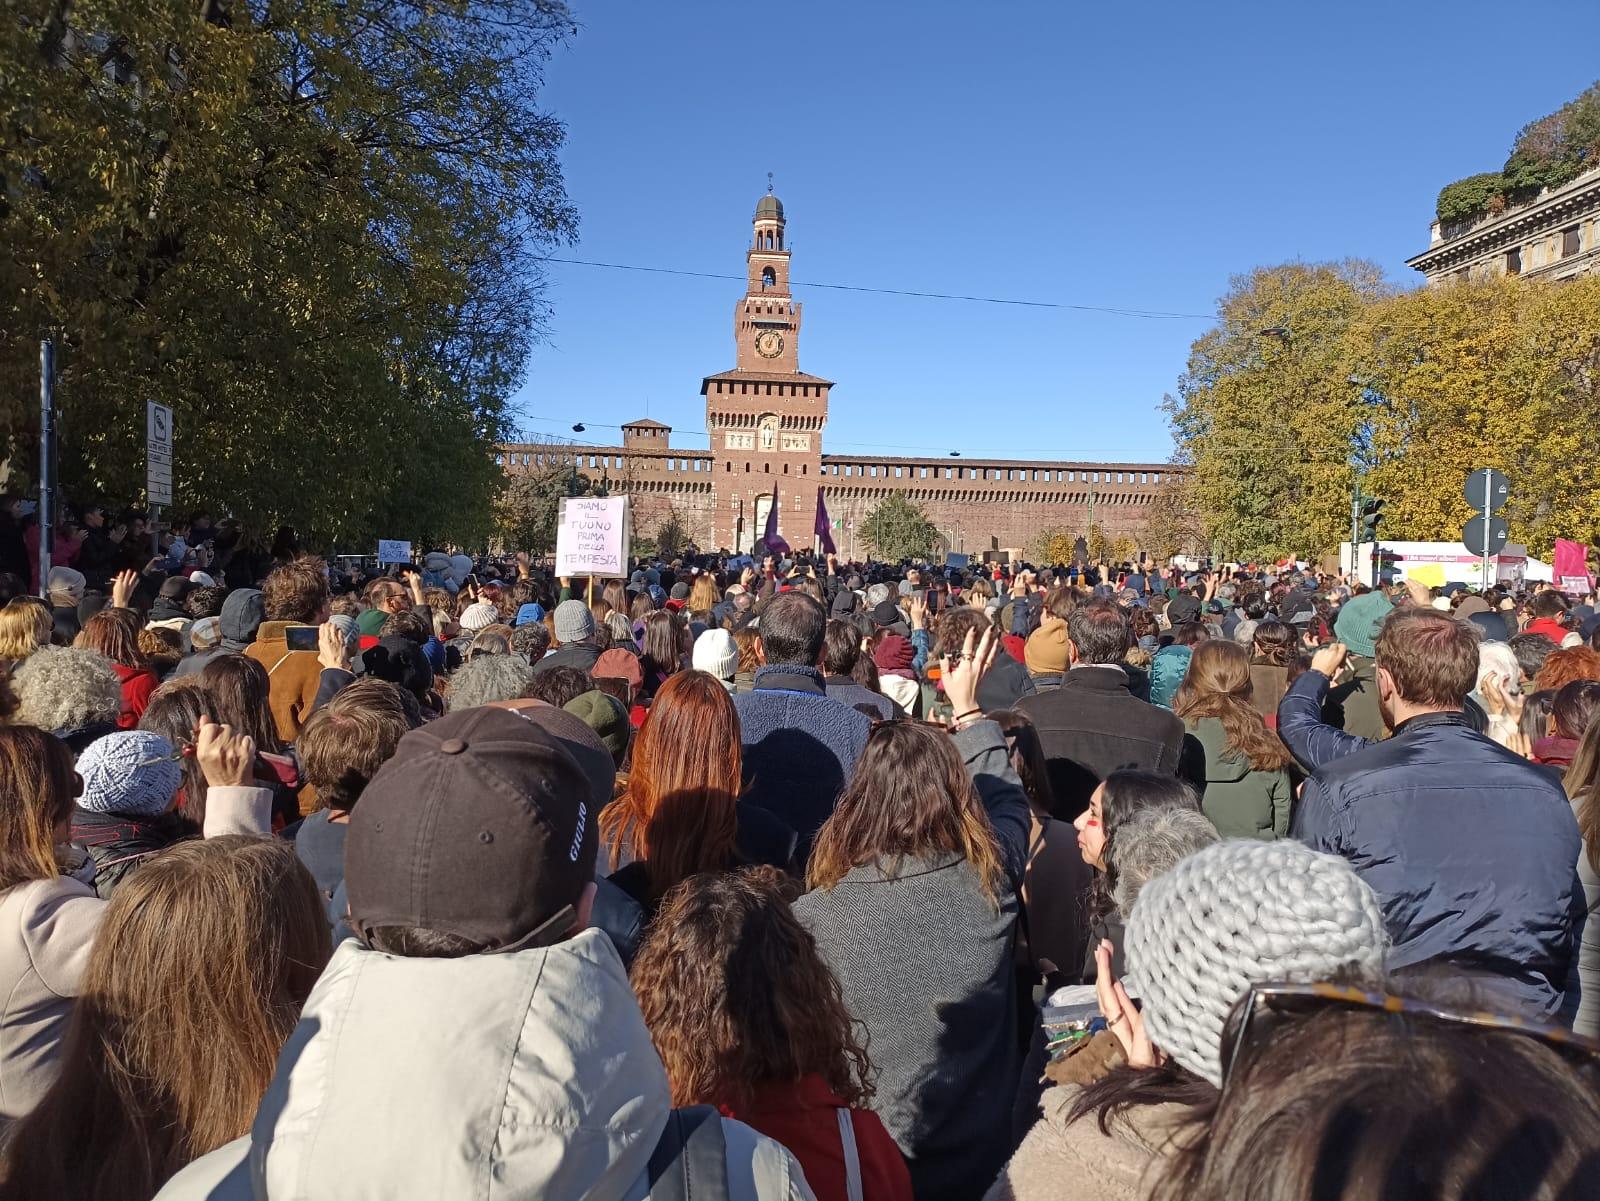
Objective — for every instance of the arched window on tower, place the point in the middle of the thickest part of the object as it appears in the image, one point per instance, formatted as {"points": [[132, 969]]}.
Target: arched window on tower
{"points": [[769, 278]]}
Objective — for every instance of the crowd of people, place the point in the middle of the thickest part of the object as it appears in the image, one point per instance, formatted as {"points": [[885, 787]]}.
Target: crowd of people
{"points": [[789, 878]]}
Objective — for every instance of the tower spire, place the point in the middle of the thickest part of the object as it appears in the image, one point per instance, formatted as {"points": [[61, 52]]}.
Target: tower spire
{"points": [[769, 183]]}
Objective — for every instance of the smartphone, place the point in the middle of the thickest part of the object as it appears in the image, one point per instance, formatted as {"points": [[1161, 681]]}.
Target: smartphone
{"points": [[300, 638]]}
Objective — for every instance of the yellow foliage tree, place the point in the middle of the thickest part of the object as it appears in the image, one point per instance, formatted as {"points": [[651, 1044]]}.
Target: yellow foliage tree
{"points": [[1501, 373]]}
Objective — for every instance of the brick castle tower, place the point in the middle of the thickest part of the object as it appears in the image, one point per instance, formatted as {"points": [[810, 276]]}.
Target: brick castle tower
{"points": [[765, 417]]}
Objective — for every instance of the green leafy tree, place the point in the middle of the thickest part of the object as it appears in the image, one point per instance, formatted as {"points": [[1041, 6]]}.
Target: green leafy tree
{"points": [[897, 529], [312, 229], [1267, 417]]}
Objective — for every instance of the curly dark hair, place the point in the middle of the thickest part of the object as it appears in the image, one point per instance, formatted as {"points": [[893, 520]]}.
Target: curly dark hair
{"points": [[737, 996]]}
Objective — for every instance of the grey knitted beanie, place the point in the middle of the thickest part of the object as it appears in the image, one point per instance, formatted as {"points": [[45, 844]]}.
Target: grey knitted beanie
{"points": [[1239, 913], [573, 621], [131, 772]]}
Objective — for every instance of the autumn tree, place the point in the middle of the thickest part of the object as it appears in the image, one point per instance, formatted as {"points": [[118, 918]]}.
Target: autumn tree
{"points": [[1054, 546], [1124, 549], [1501, 373], [1097, 545], [527, 509], [313, 230], [897, 529], [1266, 415], [1170, 524]]}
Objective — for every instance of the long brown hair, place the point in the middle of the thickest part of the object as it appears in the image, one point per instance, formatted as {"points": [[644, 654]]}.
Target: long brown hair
{"points": [[1582, 783], [197, 976], [1218, 685], [115, 634], [737, 996], [174, 712], [240, 692], [662, 646], [910, 798], [37, 785], [679, 811]]}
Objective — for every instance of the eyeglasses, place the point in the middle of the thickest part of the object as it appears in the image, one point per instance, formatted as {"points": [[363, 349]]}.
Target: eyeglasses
{"points": [[1267, 1005]]}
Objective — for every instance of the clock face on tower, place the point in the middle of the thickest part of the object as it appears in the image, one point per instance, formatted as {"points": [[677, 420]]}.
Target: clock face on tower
{"points": [[769, 344]]}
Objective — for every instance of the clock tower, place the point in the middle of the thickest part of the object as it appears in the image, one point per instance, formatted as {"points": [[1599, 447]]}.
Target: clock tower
{"points": [[765, 417]]}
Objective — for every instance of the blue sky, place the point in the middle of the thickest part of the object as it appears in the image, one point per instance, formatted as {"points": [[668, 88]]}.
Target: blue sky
{"points": [[1123, 155]]}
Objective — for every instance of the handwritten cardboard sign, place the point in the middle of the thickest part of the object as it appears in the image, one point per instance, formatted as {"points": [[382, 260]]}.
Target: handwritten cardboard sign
{"points": [[592, 538], [392, 551]]}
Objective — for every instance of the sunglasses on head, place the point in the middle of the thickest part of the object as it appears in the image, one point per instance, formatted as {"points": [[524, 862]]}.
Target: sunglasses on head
{"points": [[1267, 1006]]}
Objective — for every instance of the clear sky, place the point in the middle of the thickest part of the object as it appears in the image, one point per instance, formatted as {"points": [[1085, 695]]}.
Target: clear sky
{"points": [[1130, 155]]}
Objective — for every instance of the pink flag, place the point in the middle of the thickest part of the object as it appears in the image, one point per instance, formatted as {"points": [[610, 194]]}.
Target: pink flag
{"points": [[1571, 568]]}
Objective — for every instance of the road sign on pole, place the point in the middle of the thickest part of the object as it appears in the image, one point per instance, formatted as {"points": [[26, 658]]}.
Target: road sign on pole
{"points": [[158, 453], [1486, 490]]}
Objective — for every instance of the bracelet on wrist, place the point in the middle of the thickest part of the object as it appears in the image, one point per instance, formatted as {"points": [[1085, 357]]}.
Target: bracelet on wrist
{"points": [[967, 714]]}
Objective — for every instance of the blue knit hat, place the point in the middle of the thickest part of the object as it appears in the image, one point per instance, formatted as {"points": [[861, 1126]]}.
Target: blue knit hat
{"points": [[131, 772], [529, 614], [1359, 621]]}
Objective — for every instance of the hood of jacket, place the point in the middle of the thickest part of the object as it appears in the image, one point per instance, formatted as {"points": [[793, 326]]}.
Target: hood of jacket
{"points": [[242, 614], [1223, 763], [1168, 666], [523, 1075]]}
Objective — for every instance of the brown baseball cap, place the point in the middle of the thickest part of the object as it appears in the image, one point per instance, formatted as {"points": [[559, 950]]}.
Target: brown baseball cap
{"points": [[482, 825]]}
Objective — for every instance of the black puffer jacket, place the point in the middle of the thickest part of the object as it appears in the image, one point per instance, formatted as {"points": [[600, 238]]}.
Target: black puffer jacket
{"points": [[118, 843]]}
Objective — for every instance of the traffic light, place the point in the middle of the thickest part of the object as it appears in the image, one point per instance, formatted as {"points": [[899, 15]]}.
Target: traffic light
{"points": [[1371, 515]]}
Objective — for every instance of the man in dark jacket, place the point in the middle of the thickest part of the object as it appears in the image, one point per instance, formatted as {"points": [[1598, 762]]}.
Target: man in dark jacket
{"points": [[800, 745], [841, 648], [1471, 850], [575, 632], [1093, 724]]}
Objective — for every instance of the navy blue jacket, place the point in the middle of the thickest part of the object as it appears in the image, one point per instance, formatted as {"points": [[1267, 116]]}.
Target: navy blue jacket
{"points": [[1471, 850], [800, 747]]}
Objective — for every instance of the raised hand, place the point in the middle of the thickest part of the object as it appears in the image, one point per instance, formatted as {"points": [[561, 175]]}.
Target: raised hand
{"points": [[226, 757]]}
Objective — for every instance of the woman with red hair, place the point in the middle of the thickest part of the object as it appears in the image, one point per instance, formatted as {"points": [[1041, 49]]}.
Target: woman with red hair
{"points": [[680, 813]]}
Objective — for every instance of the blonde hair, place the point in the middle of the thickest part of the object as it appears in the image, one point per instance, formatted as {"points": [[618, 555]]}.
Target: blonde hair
{"points": [[25, 626]]}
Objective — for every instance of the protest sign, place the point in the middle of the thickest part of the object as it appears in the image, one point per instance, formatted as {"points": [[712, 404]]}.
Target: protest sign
{"points": [[392, 551], [1430, 575], [592, 538]]}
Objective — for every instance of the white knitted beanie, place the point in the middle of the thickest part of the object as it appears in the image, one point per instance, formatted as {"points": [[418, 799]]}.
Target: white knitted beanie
{"points": [[1239, 913], [716, 652], [478, 615]]}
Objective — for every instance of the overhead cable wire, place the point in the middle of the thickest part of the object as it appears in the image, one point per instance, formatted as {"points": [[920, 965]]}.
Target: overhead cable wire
{"points": [[1146, 314]]}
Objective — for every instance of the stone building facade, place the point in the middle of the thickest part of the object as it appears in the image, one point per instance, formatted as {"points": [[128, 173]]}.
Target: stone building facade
{"points": [[1555, 237], [765, 419]]}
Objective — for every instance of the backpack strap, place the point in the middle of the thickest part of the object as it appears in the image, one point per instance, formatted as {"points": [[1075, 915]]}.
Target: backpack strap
{"points": [[852, 1161], [691, 1160]]}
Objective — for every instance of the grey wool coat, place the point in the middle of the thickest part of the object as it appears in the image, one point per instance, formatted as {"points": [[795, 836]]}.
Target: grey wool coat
{"points": [[925, 960]]}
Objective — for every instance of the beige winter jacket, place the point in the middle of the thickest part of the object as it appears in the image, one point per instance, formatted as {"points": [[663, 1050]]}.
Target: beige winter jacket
{"points": [[47, 928], [524, 1075], [1059, 1160]]}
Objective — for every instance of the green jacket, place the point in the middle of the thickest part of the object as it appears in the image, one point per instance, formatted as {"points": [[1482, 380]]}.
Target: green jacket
{"points": [[1241, 803]]}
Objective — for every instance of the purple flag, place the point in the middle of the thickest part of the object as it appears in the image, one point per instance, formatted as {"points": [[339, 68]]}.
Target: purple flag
{"points": [[771, 539], [823, 529]]}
